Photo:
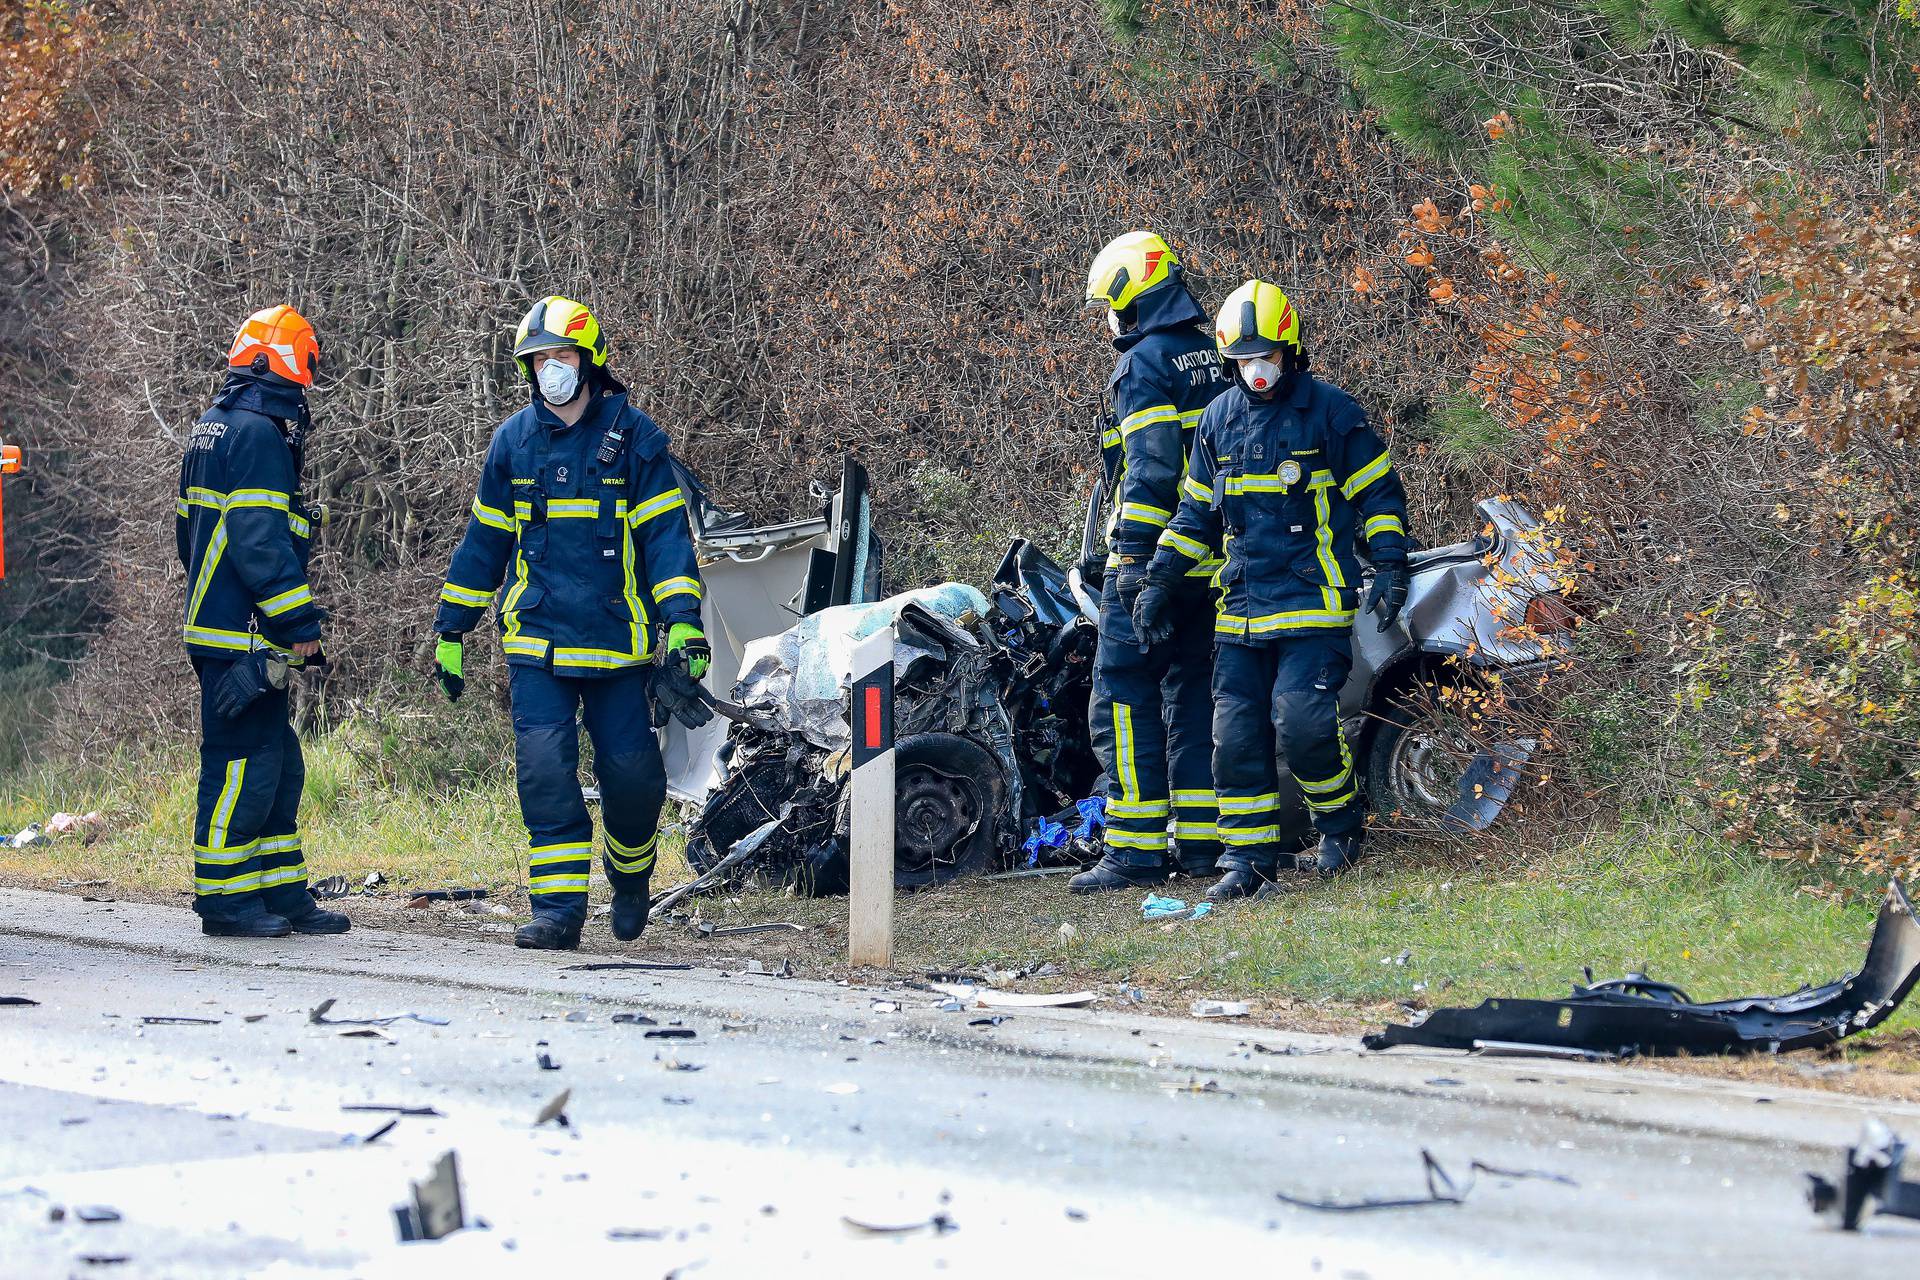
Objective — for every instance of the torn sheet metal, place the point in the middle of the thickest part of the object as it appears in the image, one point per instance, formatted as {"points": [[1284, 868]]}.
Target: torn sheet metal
{"points": [[437, 1209], [1871, 1183], [1488, 784], [1636, 1015]]}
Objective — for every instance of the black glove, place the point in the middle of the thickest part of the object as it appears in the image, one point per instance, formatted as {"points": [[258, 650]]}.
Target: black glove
{"points": [[1389, 594], [1153, 607], [249, 680], [1128, 579], [449, 666], [676, 695]]}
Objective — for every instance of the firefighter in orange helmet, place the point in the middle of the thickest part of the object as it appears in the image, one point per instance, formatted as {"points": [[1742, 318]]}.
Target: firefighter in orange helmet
{"points": [[244, 536]]}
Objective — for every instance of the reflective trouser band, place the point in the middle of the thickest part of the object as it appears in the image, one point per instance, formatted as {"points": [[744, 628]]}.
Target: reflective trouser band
{"points": [[1196, 831], [559, 868], [281, 861], [1136, 839], [1137, 808], [218, 869], [635, 859], [1196, 803], [1250, 804], [1248, 835]]}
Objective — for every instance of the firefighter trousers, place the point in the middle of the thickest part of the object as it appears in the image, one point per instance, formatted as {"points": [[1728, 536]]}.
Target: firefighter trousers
{"points": [[548, 710], [246, 826], [1151, 719], [1289, 688]]}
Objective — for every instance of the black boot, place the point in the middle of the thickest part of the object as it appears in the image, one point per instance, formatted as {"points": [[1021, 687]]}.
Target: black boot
{"points": [[1108, 874], [549, 931], [1200, 867], [1237, 883], [629, 915], [315, 920], [1338, 853], [262, 924]]}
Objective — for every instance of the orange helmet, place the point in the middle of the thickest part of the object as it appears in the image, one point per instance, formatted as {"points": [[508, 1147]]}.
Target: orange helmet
{"points": [[284, 337]]}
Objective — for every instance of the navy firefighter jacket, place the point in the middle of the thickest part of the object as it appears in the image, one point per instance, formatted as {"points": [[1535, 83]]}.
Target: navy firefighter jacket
{"points": [[240, 528], [594, 557], [1167, 373], [1280, 486]]}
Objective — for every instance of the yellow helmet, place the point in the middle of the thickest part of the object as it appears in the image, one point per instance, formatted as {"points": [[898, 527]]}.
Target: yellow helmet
{"points": [[558, 322], [1256, 320], [1129, 266]]}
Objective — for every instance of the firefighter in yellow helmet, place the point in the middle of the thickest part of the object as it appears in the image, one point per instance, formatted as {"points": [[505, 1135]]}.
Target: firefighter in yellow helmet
{"points": [[579, 500], [1151, 714], [1285, 472]]}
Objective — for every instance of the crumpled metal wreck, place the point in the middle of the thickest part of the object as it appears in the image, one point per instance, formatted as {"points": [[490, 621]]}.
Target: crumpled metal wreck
{"points": [[991, 692]]}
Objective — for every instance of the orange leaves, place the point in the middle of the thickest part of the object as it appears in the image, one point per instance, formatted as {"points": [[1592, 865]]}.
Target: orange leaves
{"points": [[1427, 216], [45, 49], [1364, 281], [1499, 126], [1441, 290]]}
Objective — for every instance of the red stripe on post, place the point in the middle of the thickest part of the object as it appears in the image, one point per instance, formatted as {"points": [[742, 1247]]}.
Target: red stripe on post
{"points": [[873, 718]]}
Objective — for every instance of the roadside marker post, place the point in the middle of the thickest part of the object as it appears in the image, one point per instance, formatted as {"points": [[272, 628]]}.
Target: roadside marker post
{"points": [[870, 870]]}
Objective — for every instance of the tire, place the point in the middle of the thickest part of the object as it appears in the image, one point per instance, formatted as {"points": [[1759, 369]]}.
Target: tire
{"points": [[951, 798], [1415, 757]]}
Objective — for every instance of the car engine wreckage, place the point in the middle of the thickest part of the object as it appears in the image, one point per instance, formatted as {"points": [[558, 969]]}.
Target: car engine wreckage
{"points": [[995, 767]]}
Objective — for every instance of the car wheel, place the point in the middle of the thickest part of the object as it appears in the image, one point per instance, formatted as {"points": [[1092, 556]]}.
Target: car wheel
{"points": [[950, 792], [1416, 757]]}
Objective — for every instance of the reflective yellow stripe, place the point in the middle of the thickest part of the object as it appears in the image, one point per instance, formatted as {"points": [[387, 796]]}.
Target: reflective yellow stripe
{"points": [[640, 632], [1250, 804], [1184, 799], [1261, 483], [573, 508], [1137, 808], [1144, 514], [1248, 835], [1323, 533], [274, 606], [276, 876], [225, 856], [271, 498], [223, 807], [1330, 803], [1192, 488], [659, 504], [631, 858], [216, 547], [1365, 476], [547, 854], [278, 844], [1184, 545], [597, 659], [1147, 417], [213, 638], [1117, 839], [1385, 524], [1123, 749], [526, 646], [492, 517], [299, 525], [453, 593], [1234, 624], [538, 886], [677, 587], [1109, 436], [1196, 831]]}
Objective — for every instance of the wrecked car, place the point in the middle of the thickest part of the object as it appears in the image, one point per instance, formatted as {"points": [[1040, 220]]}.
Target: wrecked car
{"points": [[1636, 1015], [990, 731]]}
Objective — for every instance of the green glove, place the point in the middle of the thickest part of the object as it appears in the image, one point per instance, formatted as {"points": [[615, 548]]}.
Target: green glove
{"points": [[450, 657], [684, 637]]}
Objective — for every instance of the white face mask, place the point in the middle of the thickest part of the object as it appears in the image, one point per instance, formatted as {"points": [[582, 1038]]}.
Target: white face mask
{"points": [[1261, 375], [558, 381], [1113, 322]]}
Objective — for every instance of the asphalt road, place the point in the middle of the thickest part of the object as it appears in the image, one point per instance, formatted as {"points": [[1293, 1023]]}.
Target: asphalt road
{"points": [[1060, 1142]]}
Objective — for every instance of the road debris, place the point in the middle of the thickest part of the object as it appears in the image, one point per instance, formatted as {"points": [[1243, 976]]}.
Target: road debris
{"points": [[1193, 1084], [987, 997], [545, 1061], [173, 1020], [555, 1111], [62, 824], [622, 964], [330, 887], [1512, 1049], [18, 1002], [1637, 1015], [1156, 908], [436, 1210], [389, 1107], [633, 1020], [96, 1213], [939, 1224], [992, 1021], [381, 1132], [1870, 1183], [31, 834], [317, 1016], [442, 895], [1441, 1188], [636, 1233], [1220, 1008], [842, 1088], [670, 1033], [706, 930]]}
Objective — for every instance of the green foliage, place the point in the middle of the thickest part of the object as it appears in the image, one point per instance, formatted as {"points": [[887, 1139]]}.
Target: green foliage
{"points": [[1123, 18], [1466, 433]]}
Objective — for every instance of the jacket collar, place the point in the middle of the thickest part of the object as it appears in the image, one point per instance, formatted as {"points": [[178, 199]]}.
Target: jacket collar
{"points": [[1168, 305]]}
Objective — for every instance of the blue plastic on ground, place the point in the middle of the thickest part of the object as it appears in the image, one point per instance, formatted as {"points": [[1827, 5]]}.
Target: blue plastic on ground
{"points": [[1051, 837]]}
